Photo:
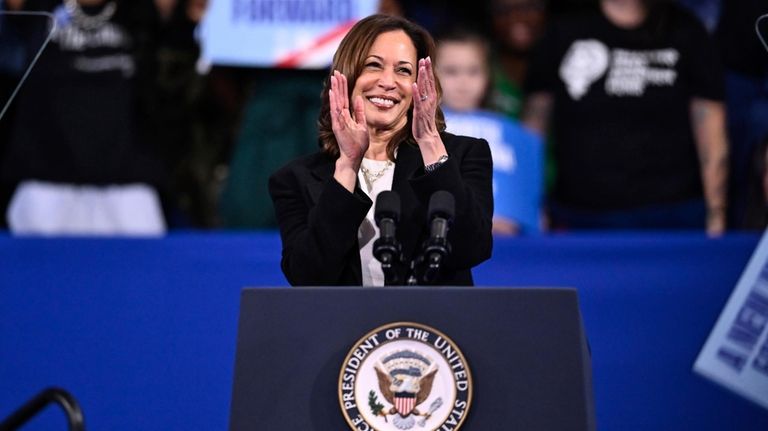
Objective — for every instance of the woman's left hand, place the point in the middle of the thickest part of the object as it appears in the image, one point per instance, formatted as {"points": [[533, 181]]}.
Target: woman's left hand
{"points": [[424, 109]]}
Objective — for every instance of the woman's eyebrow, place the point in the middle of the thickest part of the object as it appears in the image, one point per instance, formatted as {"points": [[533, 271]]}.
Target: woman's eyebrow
{"points": [[377, 57]]}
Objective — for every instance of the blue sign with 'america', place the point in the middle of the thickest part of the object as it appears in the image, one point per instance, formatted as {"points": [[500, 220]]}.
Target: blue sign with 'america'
{"points": [[736, 352]]}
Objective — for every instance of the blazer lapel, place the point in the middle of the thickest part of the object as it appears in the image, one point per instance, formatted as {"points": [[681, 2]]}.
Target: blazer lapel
{"points": [[412, 213], [320, 175]]}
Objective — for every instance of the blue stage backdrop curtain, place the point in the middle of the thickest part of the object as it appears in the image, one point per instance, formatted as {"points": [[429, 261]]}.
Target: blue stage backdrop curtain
{"points": [[143, 331]]}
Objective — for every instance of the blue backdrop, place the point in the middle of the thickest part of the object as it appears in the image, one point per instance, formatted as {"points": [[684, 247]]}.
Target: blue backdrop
{"points": [[143, 331]]}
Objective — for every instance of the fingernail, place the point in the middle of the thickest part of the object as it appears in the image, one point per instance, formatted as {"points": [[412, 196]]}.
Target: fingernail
{"points": [[429, 59]]}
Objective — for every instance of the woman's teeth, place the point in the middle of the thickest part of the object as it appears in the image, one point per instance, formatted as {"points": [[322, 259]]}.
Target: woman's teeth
{"points": [[381, 101]]}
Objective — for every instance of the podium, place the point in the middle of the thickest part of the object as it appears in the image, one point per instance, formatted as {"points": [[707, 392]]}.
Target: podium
{"points": [[525, 349]]}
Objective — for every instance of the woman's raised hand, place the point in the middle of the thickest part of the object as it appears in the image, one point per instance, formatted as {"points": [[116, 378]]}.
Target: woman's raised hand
{"points": [[424, 110], [351, 132]]}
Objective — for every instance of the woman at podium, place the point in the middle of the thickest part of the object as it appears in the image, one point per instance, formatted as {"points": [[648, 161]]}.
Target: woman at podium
{"points": [[381, 128]]}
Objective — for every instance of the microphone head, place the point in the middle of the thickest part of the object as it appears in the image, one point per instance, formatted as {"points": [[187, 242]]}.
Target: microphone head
{"points": [[442, 204], [387, 206]]}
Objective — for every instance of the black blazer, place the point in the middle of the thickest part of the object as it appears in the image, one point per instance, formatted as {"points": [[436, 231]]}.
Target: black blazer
{"points": [[319, 218]]}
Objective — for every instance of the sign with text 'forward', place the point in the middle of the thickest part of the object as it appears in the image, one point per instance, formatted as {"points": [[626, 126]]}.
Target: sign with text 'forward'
{"points": [[278, 33]]}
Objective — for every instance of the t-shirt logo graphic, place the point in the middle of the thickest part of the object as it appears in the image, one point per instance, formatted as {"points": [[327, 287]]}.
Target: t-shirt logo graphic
{"points": [[585, 63], [99, 49], [633, 71]]}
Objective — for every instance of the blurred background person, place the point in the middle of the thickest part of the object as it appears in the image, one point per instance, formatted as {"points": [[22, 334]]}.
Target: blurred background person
{"points": [[632, 92], [192, 112], [276, 125], [77, 156], [746, 65], [436, 17], [13, 63], [756, 211], [463, 71], [517, 25]]}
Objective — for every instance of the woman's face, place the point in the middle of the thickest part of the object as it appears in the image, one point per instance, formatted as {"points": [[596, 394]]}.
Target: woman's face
{"points": [[385, 82], [463, 74]]}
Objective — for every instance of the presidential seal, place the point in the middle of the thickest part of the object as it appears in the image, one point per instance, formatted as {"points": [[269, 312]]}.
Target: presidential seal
{"points": [[404, 376]]}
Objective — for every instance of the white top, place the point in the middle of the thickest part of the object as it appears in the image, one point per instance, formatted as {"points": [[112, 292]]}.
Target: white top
{"points": [[368, 231], [58, 209]]}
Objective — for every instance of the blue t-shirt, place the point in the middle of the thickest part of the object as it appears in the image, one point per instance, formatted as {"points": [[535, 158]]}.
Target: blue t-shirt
{"points": [[517, 163]]}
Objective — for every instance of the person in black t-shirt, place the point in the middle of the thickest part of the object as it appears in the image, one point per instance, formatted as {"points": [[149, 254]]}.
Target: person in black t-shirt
{"points": [[76, 149], [634, 92]]}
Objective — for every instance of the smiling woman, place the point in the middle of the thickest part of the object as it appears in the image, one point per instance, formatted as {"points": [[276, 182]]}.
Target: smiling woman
{"points": [[386, 80], [381, 128], [387, 48]]}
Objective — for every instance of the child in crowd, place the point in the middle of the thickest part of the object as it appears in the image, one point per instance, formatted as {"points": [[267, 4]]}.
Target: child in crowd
{"points": [[462, 67]]}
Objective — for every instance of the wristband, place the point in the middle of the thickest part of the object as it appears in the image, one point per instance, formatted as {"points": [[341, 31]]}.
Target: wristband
{"points": [[432, 166]]}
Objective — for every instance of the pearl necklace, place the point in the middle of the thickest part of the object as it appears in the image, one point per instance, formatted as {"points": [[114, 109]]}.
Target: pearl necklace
{"points": [[371, 177]]}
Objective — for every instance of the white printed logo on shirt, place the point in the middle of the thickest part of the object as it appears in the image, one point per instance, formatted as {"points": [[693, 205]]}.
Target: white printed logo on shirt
{"points": [[585, 62], [629, 72], [633, 71], [72, 38]]}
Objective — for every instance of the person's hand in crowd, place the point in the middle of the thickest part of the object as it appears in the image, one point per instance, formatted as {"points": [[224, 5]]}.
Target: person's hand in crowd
{"points": [[505, 227], [715, 222], [14, 4], [708, 123], [424, 109], [165, 8], [196, 9], [351, 132], [390, 7]]}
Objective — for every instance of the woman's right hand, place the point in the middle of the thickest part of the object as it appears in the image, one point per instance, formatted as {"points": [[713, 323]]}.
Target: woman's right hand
{"points": [[351, 133]]}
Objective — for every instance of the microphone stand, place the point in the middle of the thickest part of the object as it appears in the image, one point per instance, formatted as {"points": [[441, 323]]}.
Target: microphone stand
{"points": [[425, 267], [412, 280], [389, 254], [436, 249], [387, 249]]}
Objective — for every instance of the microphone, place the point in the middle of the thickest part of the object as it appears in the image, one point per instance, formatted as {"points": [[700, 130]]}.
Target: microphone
{"points": [[386, 248], [442, 209]]}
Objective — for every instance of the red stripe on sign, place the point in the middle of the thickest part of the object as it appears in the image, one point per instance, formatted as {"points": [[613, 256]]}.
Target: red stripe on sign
{"points": [[294, 59]]}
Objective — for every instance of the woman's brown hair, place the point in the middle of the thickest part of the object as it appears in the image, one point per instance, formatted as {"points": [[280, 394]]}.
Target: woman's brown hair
{"points": [[350, 60]]}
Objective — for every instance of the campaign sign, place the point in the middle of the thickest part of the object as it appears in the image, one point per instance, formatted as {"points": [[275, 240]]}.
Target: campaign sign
{"points": [[278, 33], [736, 352]]}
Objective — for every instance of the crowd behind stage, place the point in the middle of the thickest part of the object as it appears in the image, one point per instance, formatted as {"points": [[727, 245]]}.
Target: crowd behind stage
{"points": [[600, 114]]}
